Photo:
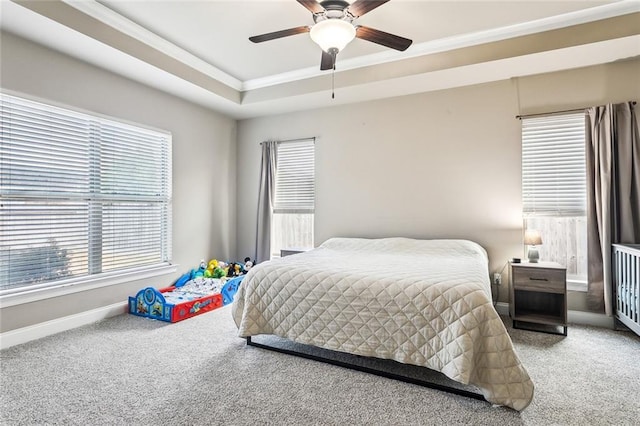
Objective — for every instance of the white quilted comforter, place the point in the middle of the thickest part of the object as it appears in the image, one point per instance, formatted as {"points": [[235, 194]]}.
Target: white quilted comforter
{"points": [[421, 302]]}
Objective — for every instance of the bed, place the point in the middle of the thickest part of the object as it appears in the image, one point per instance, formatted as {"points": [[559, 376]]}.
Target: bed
{"points": [[421, 302]]}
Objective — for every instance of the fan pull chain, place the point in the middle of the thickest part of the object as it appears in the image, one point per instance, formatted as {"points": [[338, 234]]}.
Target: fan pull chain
{"points": [[333, 82]]}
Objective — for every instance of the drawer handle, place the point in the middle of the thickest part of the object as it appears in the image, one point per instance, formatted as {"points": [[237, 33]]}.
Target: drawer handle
{"points": [[538, 279]]}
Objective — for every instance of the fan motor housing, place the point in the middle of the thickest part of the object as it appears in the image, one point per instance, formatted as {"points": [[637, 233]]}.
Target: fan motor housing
{"points": [[334, 4], [334, 9]]}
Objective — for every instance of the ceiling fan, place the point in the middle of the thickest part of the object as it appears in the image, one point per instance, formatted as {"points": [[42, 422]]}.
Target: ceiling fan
{"points": [[334, 28]]}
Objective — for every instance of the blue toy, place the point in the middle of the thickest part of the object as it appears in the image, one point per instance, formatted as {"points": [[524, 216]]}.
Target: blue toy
{"points": [[183, 279], [230, 289], [200, 271]]}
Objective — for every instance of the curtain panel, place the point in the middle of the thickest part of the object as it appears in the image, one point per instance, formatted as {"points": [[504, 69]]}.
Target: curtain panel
{"points": [[613, 190], [266, 200]]}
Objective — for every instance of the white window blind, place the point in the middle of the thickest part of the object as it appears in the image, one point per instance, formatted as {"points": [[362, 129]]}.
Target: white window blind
{"points": [[553, 165], [295, 182], [80, 195]]}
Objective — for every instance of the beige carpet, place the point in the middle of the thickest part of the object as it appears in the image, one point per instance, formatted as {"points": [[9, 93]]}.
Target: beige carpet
{"points": [[133, 371]]}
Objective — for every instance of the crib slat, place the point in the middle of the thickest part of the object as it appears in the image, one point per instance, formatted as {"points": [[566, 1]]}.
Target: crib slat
{"points": [[626, 281], [636, 289]]}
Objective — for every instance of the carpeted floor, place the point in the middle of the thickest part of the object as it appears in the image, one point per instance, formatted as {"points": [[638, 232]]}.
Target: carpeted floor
{"points": [[133, 371]]}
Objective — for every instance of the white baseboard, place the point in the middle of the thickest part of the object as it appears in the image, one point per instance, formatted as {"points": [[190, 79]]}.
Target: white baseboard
{"points": [[589, 318], [37, 331], [502, 308], [47, 328], [573, 317]]}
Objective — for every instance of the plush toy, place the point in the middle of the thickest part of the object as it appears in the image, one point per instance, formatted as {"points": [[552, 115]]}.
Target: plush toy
{"points": [[213, 264], [219, 272], [248, 264], [200, 271], [234, 270]]}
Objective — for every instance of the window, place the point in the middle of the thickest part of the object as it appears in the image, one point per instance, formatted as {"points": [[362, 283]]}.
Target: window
{"points": [[294, 205], [554, 192], [81, 196]]}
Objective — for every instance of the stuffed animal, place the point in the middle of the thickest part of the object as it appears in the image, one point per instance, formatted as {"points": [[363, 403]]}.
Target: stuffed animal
{"points": [[213, 264], [200, 271], [234, 270], [218, 272], [248, 264]]}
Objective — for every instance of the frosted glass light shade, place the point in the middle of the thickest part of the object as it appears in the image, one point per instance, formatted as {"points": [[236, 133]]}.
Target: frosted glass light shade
{"points": [[332, 33]]}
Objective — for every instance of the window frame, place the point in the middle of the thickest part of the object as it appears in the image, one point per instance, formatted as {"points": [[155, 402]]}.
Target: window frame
{"points": [[565, 171], [34, 292], [294, 202]]}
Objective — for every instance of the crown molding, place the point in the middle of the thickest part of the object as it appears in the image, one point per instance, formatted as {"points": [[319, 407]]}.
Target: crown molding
{"points": [[39, 28], [107, 16]]}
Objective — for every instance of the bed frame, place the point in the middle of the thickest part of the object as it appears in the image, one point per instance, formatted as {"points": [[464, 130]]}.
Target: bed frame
{"points": [[365, 369]]}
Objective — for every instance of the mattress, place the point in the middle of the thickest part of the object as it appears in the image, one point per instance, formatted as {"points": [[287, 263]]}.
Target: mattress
{"points": [[420, 302]]}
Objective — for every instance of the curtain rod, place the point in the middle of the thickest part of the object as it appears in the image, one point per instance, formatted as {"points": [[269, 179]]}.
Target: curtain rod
{"points": [[295, 140], [542, 114]]}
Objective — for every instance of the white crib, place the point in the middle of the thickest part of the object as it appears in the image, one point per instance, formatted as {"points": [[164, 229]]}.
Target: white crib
{"points": [[626, 284]]}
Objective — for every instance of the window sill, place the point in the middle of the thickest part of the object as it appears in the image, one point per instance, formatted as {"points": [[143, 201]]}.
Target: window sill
{"points": [[28, 295]]}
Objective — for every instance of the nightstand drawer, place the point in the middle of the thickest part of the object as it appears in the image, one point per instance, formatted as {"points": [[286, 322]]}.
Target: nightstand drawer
{"points": [[290, 251], [536, 279]]}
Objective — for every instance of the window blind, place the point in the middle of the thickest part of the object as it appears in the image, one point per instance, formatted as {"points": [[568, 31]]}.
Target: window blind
{"points": [[295, 183], [80, 195], [553, 165]]}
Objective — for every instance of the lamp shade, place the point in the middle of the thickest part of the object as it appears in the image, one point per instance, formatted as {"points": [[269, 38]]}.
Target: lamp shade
{"points": [[532, 237], [332, 33]]}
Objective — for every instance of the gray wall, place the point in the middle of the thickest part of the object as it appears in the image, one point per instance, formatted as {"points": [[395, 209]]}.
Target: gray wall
{"points": [[444, 164], [204, 161], [433, 165]]}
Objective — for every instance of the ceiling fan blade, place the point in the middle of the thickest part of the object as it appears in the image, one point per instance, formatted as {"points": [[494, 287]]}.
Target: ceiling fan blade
{"points": [[360, 7], [326, 63], [385, 39], [312, 6], [279, 34]]}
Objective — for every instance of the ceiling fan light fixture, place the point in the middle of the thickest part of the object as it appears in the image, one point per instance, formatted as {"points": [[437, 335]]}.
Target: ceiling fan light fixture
{"points": [[332, 34]]}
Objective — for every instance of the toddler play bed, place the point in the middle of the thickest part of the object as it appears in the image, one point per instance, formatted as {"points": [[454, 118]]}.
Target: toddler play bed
{"points": [[425, 303], [173, 304]]}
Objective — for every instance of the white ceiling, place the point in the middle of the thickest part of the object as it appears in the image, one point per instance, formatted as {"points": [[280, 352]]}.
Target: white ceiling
{"points": [[199, 50]]}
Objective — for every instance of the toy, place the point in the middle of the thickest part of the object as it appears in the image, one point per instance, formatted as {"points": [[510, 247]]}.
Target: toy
{"points": [[219, 273], [234, 270], [200, 271], [166, 305], [183, 279], [216, 269], [213, 264], [230, 288], [248, 264], [225, 268]]}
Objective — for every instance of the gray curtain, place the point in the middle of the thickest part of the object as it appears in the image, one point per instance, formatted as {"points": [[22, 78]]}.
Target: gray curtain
{"points": [[613, 191], [265, 200]]}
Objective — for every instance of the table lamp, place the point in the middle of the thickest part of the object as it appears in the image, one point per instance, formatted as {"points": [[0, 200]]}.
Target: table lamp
{"points": [[532, 238]]}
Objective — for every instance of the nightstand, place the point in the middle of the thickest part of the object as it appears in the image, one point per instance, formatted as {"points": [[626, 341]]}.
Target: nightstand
{"points": [[538, 296], [290, 251]]}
